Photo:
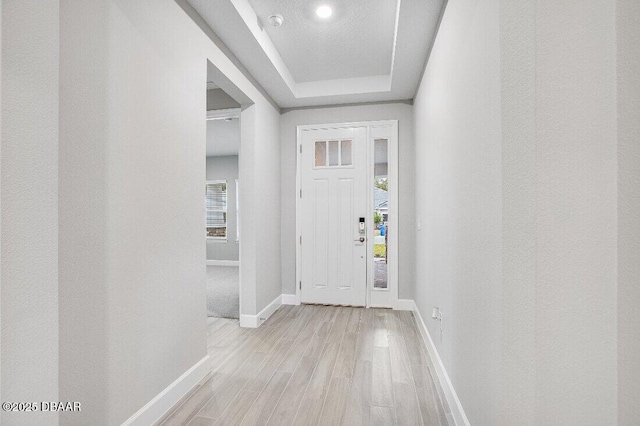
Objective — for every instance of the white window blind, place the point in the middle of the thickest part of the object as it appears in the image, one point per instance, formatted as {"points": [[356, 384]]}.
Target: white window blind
{"points": [[216, 209]]}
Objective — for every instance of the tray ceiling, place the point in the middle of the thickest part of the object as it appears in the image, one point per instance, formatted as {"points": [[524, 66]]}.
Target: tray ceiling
{"points": [[372, 50], [356, 41]]}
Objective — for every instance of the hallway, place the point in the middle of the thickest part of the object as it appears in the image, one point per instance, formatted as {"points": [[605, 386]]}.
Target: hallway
{"points": [[316, 365], [496, 142]]}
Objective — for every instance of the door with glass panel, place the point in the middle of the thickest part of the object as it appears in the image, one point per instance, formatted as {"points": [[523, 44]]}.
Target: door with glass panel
{"points": [[334, 216]]}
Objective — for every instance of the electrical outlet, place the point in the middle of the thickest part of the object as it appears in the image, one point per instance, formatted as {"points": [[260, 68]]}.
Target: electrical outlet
{"points": [[437, 316]]}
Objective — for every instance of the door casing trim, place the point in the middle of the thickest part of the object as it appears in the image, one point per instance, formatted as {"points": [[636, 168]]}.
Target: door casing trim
{"points": [[393, 198]]}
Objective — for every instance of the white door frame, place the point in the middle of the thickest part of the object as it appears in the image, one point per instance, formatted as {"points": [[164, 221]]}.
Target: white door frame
{"points": [[392, 276], [221, 114]]}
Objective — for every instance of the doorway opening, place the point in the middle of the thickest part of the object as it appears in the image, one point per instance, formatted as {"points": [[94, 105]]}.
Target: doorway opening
{"points": [[347, 214], [222, 208]]}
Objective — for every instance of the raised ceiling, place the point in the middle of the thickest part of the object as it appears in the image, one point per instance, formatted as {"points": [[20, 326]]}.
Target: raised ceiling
{"points": [[367, 51], [356, 41]]}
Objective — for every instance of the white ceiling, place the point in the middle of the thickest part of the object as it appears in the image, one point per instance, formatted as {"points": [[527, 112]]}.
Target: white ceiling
{"points": [[356, 41], [223, 137], [367, 51]]}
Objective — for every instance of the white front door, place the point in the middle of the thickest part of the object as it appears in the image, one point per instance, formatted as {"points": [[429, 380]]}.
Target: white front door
{"points": [[333, 183]]}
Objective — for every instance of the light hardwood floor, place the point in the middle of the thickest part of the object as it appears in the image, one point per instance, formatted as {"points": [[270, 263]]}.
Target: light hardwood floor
{"points": [[316, 365]]}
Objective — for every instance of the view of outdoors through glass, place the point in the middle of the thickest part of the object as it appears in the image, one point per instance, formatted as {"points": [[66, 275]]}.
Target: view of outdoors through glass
{"points": [[380, 213]]}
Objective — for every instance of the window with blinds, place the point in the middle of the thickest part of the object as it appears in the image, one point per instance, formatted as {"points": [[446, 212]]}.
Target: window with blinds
{"points": [[216, 209]]}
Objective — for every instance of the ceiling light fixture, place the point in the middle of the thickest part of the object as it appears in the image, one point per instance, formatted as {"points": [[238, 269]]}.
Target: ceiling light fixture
{"points": [[324, 11]]}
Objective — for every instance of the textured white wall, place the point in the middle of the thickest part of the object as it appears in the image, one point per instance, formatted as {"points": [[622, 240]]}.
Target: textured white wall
{"points": [[628, 62], [458, 201], [132, 166], [393, 111], [576, 212], [1, 201], [29, 198], [248, 196], [266, 207], [225, 167], [516, 191], [518, 355]]}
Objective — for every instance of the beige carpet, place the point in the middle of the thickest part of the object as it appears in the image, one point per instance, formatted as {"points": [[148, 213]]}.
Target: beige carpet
{"points": [[223, 287]]}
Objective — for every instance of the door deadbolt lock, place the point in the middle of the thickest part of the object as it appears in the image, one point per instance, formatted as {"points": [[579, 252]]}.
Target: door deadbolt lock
{"points": [[361, 227], [361, 230]]}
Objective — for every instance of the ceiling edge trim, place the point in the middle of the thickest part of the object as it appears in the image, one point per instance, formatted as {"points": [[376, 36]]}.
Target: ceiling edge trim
{"points": [[213, 114], [343, 86], [395, 41], [352, 104], [201, 23]]}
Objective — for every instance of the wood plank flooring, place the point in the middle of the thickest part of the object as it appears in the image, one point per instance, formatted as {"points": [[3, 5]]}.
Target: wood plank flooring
{"points": [[316, 365]]}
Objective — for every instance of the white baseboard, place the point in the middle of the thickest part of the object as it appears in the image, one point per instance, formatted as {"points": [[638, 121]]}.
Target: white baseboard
{"points": [[289, 299], [223, 262], [405, 305], [160, 405], [457, 412], [254, 321]]}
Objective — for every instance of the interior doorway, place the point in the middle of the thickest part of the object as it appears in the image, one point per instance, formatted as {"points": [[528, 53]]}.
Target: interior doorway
{"points": [[222, 209], [347, 214]]}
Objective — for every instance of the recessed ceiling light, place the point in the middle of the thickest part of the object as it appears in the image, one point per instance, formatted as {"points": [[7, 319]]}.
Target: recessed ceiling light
{"points": [[324, 11]]}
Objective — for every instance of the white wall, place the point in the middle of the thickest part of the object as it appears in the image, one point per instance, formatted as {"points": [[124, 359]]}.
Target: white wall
{"points": [[518, 353], [0, 200], [225, 168], [29, 198], [458, 201], [223, 137], [132, 149], [628, 62], [393, 111], [218, 99], [516, 191], [266, 207], [576, 212]]}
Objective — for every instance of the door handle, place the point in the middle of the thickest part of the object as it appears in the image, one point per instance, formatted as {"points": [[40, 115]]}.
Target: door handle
{"points": [[360, 240]]}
